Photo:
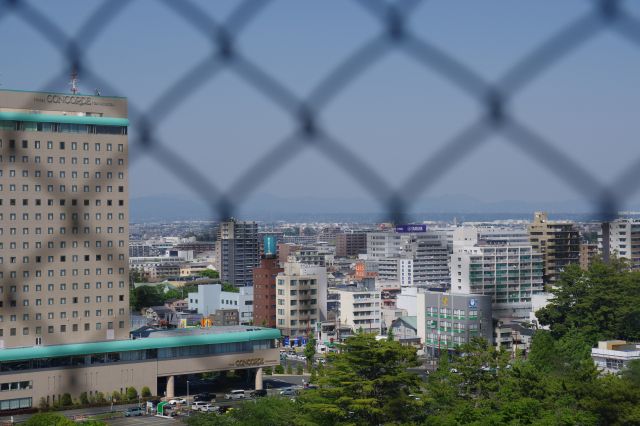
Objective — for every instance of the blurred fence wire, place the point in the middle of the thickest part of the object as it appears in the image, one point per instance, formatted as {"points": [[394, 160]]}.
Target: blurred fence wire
{"points": [[394, 35], [308, 134]]}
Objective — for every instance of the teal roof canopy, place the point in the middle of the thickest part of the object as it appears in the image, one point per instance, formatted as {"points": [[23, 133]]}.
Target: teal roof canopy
{"points": [[78, 349], [63, 119]]}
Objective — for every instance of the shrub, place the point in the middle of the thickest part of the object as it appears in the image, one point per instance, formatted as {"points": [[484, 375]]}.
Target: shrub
{"points": [[115, 396], [84, 399], [145, 392], [100, 399], [268, 371], [314, 376], [299, 370], [289, 369], [43, 405], [66, 401], [132, 394], [279, 369]]}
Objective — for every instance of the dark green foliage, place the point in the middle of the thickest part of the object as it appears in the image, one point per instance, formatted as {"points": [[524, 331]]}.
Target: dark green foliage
{"points": [[66, 401], [49, 419], [210, 273], [145, 392], [279, 369], [230, 288], [132, 394], [367, 383], [602, 303], [84, 399]]}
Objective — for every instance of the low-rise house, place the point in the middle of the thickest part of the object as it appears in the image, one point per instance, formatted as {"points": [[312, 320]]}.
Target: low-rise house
{"points": [[612, 356]]}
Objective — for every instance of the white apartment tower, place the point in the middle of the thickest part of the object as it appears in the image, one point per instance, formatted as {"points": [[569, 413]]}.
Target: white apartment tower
{"points": [[499, 262]]}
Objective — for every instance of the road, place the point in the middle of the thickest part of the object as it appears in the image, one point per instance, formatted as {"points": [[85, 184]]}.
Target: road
{"points": [[76, 412], [143, 421]]}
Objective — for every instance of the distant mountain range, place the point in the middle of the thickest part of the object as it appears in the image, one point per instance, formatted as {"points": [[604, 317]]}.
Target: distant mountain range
{"points": [[265, 207]]}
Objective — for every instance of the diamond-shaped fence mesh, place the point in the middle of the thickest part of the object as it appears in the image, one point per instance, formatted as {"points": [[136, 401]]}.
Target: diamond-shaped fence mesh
{"points": [[395, 35]]}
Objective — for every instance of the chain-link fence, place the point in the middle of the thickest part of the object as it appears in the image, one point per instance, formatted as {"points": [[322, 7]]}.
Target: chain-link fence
{"points": [[395, 35]]}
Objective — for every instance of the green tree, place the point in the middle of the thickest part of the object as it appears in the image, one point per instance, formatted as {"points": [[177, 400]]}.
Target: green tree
{"points": [[367, 383], [310, 351], [145, 392], [49, 419], [279, 369], [146, 296], [230, 288], [270, 411], [84, 398], [132, 394], [289, 369], [100, 398], [602, 302], [210, 273], [66, 400], [299, 370]]}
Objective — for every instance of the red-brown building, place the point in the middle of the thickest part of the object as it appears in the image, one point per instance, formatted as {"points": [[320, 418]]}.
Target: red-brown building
{"points": [[264, 292]]}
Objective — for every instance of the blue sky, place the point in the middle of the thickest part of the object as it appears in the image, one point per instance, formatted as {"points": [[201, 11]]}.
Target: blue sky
{"points": [[393, 115]]}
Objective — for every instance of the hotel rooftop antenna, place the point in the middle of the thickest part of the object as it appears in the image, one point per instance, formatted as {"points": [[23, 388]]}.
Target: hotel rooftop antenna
{"points": [[74, 82]]}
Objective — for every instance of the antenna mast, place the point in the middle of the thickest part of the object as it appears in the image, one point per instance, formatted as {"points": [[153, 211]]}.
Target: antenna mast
{"points": [[74, 81]]}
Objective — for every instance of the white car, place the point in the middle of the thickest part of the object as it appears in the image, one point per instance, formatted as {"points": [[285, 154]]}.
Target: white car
{"points": [[235, 394], [196, 406], [177, 401], [210, 408]]}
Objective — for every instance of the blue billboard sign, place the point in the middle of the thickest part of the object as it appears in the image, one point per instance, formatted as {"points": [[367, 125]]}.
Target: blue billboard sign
{"points": [[411, 228], [285, 341]]}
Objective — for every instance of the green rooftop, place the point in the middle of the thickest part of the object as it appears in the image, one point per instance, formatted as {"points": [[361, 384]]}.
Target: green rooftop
{"points": [[63, 119], [78, 349]]}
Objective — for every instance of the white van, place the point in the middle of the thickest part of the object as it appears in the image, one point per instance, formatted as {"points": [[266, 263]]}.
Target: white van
{"points": [[235, 394]]}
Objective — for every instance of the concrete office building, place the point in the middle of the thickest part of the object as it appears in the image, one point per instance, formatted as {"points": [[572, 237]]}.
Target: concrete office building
{"points": [[588, 253], [360, 307], [211, 298], [423, 257], [351, 244], [157, 361], [64, 238], [500, 263], [301, 298], [237, 252], [557, 241], [446, 320]]}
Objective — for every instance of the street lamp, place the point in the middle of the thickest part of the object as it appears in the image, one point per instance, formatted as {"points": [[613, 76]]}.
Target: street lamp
{"points": [[188, 406]]}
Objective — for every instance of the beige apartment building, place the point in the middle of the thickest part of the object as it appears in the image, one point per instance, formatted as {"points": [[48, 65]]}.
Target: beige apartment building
{"points": [[557, 241], [301, 296]]}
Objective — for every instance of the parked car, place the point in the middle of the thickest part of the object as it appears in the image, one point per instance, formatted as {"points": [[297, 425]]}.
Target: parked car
{"points": [[258, 393], [197, 406], [235, 394], [205, 396], [177, 401], [288, 392], [133, 411], [210, 408]]}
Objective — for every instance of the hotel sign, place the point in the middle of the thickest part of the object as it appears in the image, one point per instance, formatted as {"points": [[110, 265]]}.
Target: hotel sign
{"points": [[251, 362]]}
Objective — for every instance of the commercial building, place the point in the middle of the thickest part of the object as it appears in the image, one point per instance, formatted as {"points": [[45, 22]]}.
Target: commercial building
{"points": [[360, 308], [447, 320], [415, 258], [405, 330], [351, 244], [45, 373], [237, 252], [612, 356], [497, 262], [211, 298], [301, 298], [64, 237], [557, 241]]}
